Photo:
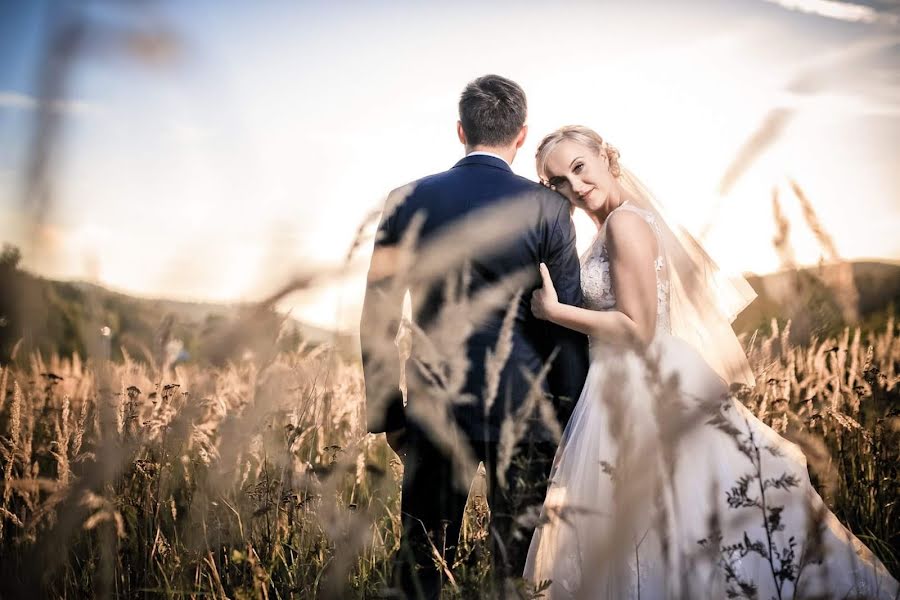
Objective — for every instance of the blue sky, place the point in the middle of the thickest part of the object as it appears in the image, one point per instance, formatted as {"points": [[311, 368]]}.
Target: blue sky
{"points": [[259, 143]]}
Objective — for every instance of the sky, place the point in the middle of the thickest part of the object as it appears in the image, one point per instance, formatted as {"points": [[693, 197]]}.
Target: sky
{"points": [[251, 143]]}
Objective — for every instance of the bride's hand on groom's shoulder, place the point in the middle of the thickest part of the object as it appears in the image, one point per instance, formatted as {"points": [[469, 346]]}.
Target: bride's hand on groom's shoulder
{"points": [[544, 300]]}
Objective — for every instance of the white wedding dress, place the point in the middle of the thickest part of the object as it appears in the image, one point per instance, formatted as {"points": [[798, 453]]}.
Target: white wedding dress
{"points": [[664, 486]]}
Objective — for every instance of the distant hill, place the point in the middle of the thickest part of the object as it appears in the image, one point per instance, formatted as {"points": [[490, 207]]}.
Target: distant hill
{"points": [[812, 298], [193, 312], [68, 317]]}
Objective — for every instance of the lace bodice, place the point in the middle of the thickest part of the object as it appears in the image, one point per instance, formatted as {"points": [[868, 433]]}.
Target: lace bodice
{"points": [[597, 285]]}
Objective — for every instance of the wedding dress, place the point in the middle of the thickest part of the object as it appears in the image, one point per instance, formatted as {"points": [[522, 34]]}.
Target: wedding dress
{"points": [[665, 486]]}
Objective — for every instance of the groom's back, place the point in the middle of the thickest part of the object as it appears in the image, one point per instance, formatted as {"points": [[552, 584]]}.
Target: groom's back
{"points": [[481, 233], [477, 220]]}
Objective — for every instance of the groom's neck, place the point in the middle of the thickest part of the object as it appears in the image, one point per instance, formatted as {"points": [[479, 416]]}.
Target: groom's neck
{"points": [[507, 153]]}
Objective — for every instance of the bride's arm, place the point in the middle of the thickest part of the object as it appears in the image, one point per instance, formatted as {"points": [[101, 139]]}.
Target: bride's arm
{"points": [[632, 253], [610, 325]]}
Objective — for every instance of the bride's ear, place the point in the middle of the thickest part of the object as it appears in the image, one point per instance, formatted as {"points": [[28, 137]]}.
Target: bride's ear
{"points": [[522, 135]]}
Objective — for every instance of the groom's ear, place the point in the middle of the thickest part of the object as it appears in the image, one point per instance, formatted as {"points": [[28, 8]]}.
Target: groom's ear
{"points": [[521, 137], [461, 133]]}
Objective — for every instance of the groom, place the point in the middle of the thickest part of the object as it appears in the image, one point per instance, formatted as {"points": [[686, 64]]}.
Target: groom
{"points": [[472, 231]]}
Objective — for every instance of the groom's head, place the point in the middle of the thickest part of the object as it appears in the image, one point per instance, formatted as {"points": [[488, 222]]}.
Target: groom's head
{"points": [[492, 111]]}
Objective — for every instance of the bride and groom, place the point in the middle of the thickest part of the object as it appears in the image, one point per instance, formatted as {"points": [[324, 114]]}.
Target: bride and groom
{"points": [[661, 485]]}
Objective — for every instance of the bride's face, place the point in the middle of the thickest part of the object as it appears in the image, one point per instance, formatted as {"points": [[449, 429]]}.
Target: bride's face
{"points": [[579, 174]]}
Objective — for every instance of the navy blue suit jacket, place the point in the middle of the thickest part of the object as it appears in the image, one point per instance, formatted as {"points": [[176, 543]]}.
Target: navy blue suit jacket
{"points": [[534, 226]]}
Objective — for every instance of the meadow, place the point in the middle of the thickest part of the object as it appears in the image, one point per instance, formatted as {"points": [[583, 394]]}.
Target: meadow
{"points": [[257, 480], [246, 472]]}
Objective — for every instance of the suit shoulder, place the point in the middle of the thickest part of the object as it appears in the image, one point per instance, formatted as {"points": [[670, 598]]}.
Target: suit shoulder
{"points": [[413, 188], [552, 201], [537, 187], [401, 195], [395, 199], [542, 193]]}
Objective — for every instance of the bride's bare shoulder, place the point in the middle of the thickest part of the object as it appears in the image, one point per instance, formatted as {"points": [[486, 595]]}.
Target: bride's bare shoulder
{"points": [[626, 228]]}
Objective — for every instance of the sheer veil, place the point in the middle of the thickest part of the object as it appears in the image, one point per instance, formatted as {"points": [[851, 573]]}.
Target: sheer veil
{"points": [[703, 301]]}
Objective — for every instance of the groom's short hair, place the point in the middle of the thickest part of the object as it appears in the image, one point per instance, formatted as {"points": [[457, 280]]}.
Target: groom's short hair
{"points": [[492, 110]]}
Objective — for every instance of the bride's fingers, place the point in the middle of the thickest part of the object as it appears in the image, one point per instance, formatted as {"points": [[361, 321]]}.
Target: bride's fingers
{"points": [[545, 277]]}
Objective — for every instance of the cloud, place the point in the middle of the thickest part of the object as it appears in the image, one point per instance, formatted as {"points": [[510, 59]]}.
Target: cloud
{"points": [[842, 11], [188, 133], [18, 101], [807, 89], [835, 103]]}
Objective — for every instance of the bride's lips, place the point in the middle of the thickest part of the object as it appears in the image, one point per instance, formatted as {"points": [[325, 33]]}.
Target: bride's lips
{"points": [[584, 196]]}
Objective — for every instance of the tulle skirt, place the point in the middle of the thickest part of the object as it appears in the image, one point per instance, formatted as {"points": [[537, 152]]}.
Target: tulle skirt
{"points": [[664, 486]]}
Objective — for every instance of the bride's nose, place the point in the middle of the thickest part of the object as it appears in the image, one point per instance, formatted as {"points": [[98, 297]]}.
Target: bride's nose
{"points": [[579, 187]]}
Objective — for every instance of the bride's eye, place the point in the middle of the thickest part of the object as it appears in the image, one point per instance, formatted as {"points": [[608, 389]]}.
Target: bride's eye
{"points": [[557, 181], [578, 168]]}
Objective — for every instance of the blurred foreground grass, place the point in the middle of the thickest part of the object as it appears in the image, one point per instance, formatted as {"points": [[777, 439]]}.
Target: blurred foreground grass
{"points": [[258, 480]]}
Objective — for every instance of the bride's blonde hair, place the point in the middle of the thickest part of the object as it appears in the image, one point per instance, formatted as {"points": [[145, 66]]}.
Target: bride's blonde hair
{"points": [[581, 135]]}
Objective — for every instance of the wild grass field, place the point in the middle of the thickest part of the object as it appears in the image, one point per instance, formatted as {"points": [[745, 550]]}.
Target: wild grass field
{"points": [[257, 480], [126, 472]]}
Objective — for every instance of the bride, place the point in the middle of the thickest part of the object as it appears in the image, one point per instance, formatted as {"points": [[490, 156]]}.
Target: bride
{"points": [[664, 486]]}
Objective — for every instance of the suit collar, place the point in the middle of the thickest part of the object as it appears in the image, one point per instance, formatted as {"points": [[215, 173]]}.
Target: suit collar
{"points": [[483, 159]]}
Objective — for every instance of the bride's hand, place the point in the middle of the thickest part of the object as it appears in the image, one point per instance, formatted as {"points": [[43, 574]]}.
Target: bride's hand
{"points": [[544, 300]]}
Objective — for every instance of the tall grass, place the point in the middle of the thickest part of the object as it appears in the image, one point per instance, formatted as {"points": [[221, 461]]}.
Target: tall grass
{"points": [[249, 482]]}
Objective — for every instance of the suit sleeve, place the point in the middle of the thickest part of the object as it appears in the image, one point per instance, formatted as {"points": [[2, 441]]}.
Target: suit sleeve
{"points": [[569, 369], [381, 315]]}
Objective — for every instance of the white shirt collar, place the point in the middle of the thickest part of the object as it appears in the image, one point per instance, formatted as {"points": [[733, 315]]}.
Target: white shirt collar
{"points": [[477, 152]]}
